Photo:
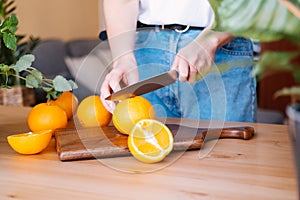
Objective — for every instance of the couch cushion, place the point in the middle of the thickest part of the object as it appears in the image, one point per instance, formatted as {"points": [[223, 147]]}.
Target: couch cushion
{"points": [[49, 58], [81, 47], [90, 70]]}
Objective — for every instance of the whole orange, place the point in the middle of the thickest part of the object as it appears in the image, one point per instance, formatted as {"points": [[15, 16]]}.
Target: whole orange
{"points": [[91, 112], [129, 111], [68, 102], [45, 116]]}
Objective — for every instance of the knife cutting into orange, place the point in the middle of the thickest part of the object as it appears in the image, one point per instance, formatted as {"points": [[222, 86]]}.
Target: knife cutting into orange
{"points": [[144, 86]]}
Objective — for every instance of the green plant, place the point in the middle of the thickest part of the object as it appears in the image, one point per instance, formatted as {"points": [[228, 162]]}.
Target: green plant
{"points": [[16, 60], [12, 46], [264, 20]]}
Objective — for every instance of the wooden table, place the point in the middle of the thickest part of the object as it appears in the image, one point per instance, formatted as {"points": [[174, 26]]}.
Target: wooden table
{"points": [[260, 168]]}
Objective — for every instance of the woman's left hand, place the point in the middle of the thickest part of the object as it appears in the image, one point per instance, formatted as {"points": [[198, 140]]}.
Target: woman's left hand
{"points": [[196, 59]]}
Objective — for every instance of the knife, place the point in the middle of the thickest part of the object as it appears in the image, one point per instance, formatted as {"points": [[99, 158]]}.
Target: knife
{"points": [[145, 86]]}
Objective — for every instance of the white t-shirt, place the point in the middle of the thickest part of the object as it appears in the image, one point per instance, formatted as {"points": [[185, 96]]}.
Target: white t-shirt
{"points": [[186, 12]]}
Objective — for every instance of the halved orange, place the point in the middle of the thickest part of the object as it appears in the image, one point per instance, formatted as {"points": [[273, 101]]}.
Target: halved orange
{"points": [[150, 141], [31, 142]]}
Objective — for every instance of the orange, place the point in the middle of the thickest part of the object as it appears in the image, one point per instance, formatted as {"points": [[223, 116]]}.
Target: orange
{"points": [[30, 143], [45, 116], [91, 112], [129, 111], [68, 102], [150, 141]]}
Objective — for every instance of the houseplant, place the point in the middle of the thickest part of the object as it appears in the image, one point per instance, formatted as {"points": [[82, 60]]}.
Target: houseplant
{"points": [[268, 20], [16, 60]]}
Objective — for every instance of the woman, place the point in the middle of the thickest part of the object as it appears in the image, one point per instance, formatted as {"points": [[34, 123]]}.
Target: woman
{"points": [[177, 35]]}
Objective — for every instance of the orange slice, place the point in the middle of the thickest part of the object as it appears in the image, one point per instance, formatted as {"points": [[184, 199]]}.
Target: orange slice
{"points": [[150, 141], [30, 143]]}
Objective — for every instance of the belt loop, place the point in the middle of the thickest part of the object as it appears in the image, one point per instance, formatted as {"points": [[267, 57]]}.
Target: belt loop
{"points": [[184, 30], [157, 29]]}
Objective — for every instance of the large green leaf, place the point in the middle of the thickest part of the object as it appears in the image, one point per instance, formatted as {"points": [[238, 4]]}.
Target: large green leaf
{"points": [[272, 61], [264, 20]]}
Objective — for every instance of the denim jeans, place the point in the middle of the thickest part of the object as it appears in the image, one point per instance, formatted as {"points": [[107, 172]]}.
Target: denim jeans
{"points": [[227, 92]]}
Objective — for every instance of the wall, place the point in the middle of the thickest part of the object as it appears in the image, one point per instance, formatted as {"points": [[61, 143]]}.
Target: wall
{"points": [[64, 19]]}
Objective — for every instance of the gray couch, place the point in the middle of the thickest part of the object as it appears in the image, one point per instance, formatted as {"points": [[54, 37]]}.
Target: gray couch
{"points": [[80, 60], [50, 58]]}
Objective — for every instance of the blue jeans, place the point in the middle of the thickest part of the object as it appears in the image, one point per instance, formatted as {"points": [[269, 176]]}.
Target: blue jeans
{"points": [[225, 93]]}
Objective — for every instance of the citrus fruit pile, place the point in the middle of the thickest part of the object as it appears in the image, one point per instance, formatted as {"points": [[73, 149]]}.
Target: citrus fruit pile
{"points": [[42, 120], [149, 140], [54, 114]]}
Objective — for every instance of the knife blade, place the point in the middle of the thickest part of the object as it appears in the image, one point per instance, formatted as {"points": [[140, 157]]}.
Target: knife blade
{"points": [[144, 86]]}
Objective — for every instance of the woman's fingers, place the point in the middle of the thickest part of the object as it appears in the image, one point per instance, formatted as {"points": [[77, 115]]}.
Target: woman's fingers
{"points": [[110, 85], [182, 67]]}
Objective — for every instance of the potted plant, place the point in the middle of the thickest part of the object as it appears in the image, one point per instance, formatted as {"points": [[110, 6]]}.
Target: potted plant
{"points": [[268, 20], [16, 72]]}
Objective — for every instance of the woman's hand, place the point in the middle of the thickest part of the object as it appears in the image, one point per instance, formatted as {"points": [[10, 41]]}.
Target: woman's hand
{"points": [[196, 59], [121, 28], [124, 71]]}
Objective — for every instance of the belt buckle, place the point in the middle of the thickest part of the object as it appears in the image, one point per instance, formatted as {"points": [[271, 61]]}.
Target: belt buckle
{"points": [[183, 30]]}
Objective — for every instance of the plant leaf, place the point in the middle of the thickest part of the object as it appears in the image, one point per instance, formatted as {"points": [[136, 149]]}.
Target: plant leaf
{"points": [[24, 62], [55, 94], [264, 20], [6, 86], [34, 79], [4, 68], [31, 81], [73, 84], [272, 61], [38, 75], [10, 41], [288, 91], [12, 23], [52, 94], [8, 28], [61, 84], [278, 61]]}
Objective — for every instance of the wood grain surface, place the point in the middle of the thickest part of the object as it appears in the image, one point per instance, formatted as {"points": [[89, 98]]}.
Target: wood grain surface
{"points": [[260, 168]]}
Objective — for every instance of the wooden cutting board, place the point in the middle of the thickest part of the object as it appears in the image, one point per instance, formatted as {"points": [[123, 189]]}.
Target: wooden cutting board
{"points": [[102, 142]]}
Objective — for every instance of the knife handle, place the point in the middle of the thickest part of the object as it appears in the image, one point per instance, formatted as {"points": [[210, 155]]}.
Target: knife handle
{"points": [[245, 133]]}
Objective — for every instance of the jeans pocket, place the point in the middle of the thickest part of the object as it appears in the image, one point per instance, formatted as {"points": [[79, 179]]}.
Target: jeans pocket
{"points": [[238, 47]]}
